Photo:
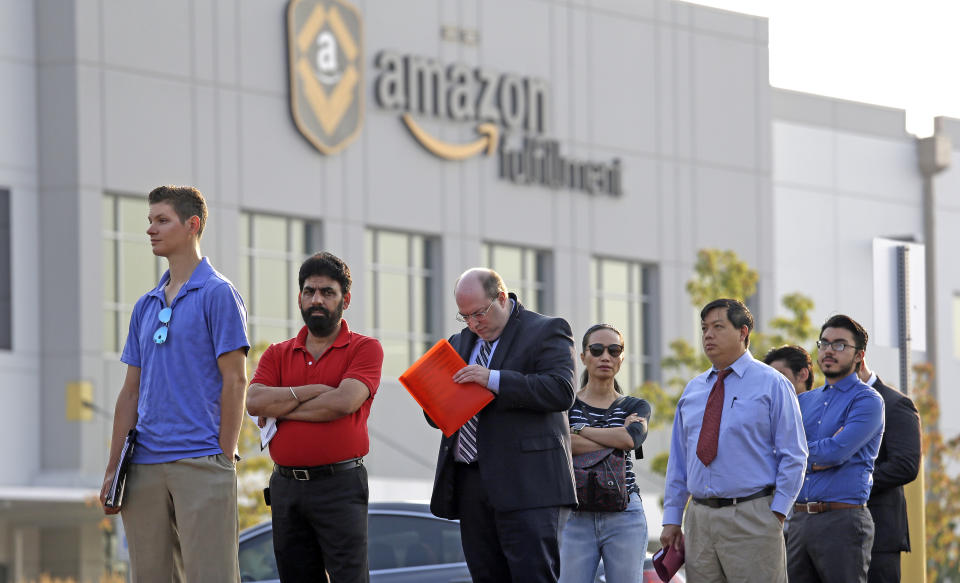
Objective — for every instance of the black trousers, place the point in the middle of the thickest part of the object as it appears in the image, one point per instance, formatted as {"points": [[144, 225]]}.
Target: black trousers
{"points": [[321, 525], [884, 568], [522, 546], [830, 547]]}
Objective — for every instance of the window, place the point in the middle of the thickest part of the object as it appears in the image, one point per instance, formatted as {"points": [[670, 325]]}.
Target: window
{"points": [[624, 298], [6, 274], [403, 302], [272, 249], [525, 271], [129, 268]]}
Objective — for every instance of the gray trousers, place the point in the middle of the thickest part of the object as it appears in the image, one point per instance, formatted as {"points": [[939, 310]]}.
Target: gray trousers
{"points": [[830, 547]]}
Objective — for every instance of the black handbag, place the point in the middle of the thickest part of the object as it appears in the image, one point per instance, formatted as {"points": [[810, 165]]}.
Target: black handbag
{"points": [[601, 477]]}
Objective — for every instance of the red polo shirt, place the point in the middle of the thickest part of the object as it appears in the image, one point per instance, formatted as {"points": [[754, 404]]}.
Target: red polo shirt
{"points": [[290, 364]]}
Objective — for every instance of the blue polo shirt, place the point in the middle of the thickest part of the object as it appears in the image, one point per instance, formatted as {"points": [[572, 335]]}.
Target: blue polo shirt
{"points": [[180, 383], [849, 452]]}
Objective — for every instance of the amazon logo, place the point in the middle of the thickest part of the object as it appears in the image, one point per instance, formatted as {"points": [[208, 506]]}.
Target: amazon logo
{"points": [[421, 86], [325, 45]]}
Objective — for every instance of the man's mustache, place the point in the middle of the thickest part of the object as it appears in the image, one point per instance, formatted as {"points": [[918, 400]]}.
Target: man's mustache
{"points": [[323, 311]]}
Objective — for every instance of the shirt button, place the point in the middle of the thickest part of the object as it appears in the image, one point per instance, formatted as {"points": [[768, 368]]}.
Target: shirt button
{"points": [[311, 362]]}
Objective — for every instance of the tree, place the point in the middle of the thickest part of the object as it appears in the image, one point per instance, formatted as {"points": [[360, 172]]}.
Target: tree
{"points": [[720, 274], [942, 510]]}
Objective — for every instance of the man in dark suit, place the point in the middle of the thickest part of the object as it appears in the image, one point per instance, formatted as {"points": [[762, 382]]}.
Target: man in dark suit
{"points": [[897, 464], [507, 474]]}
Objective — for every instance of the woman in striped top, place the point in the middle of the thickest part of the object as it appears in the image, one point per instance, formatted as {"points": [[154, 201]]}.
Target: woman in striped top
{"points": [[601, 419]]}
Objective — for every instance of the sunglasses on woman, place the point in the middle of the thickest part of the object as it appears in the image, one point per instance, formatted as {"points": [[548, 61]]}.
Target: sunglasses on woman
{"points": [[597, 349]]}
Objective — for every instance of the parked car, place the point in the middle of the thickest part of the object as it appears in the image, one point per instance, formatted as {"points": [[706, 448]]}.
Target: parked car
{"points": [[406, 544]]}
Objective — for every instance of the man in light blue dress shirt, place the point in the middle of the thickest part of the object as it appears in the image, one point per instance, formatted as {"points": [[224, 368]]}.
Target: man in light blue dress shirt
{"points": [[831, 530], [734, 525]]}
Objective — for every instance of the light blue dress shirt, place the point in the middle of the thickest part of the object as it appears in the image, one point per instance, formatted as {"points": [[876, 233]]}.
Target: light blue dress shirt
{"points": [[761, 440], [849, 454]]}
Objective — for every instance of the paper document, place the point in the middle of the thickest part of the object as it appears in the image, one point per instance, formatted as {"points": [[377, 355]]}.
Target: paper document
{"points": [[117, 485], [267, 432], [430, 382]]}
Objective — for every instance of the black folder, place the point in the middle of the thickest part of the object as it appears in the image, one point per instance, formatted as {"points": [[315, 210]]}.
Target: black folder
{"points": [[115, 494]]}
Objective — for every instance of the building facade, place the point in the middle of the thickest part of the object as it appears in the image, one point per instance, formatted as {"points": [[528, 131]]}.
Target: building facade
{"points": [[586, 149]]}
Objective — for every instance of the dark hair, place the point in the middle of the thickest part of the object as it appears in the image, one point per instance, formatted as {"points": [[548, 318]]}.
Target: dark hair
{"points": [[796, 358], [186, 201], [737, 312], [327, 264], [585, 377], [860, 335]]}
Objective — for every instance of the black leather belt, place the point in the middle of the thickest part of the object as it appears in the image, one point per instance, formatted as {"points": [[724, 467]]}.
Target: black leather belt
{"points": [[315, 472], [721, 502]]}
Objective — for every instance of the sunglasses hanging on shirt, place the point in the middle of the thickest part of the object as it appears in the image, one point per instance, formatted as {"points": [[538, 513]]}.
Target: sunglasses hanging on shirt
{"points": [[160, 336]]}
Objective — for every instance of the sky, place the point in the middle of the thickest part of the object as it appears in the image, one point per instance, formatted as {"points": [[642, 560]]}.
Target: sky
{"points": [[898, 53]]}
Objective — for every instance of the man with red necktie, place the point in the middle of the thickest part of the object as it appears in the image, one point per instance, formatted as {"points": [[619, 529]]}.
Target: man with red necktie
{"points": [[739, 450]]}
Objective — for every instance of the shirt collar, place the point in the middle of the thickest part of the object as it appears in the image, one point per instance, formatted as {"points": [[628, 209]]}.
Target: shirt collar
{"points": [[739, 366], [846, 383], [872, 380], [343, 337], [200, 274]]}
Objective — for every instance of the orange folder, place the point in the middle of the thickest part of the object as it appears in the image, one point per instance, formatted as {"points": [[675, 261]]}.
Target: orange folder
{"points": [[430, 382]]}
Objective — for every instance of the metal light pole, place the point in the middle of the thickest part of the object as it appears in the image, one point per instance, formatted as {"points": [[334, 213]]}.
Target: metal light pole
{"points": [[933, 156]]}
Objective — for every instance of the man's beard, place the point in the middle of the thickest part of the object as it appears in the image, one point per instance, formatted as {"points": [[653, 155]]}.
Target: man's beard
{"points": [[841, 373], [320, 322]]}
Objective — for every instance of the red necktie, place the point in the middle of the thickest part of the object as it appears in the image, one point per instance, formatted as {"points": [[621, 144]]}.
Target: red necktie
{"points": [[710, 429]]}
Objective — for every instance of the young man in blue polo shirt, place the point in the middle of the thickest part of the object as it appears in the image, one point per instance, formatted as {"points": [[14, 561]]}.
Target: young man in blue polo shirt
{"points": [[184, 393], [831, 530]]}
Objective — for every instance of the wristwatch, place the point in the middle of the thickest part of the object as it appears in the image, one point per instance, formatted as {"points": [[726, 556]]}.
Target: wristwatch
{"points": [[577, 428]]}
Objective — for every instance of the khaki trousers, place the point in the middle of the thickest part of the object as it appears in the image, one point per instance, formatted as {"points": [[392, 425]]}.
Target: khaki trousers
{"points": [[741, 543], [181, 521]]}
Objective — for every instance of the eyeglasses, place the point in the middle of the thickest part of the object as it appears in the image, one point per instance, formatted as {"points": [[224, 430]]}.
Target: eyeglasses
{"points": [[160, 336], [615, 350], [478, 315], [835, 346]]}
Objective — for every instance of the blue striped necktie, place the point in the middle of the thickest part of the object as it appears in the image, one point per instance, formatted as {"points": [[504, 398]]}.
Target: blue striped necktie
{"points": [[467, 447]]}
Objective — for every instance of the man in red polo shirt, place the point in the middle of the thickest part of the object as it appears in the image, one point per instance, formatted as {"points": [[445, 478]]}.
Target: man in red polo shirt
{"points": [[319, 385]]}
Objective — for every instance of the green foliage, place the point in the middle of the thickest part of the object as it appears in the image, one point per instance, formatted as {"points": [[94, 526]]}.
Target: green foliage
{"points": [[943, 489], [720, 274]]}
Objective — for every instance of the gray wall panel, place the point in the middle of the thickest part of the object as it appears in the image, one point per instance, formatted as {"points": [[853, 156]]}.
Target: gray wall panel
{"points": [[148, 132], [725, 101], [623, 83], [148, 36], [262, 46]]}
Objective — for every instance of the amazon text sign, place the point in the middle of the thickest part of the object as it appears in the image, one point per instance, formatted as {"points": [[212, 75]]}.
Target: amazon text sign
{"points": [[422, 86]]}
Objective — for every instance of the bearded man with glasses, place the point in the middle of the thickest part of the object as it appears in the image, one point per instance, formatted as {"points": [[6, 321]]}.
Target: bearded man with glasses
{"points": [[184, 394], [507, 474], [831, 530]]}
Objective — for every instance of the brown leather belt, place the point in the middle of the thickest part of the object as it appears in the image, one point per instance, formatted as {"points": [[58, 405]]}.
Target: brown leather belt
{"points": [[818, 507], [314, 472]]}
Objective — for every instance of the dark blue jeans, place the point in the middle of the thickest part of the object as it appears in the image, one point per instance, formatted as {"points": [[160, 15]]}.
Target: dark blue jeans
{"points": [[321, 525]]}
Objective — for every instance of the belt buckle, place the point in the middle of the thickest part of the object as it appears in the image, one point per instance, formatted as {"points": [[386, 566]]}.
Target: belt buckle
{"points": [[302, 475], [811, 506]]}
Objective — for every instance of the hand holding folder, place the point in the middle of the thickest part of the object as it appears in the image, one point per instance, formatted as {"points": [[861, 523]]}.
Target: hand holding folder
{"points": [[430, 382], [118, 485], [667, 561]]}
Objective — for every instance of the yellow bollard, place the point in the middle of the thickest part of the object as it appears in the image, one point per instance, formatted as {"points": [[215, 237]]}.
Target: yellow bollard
{"points": [[913, 565]]}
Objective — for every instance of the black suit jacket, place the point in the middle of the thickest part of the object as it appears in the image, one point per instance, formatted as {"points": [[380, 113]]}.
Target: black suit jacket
{"points": [[523, 437], [897, 464]]}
